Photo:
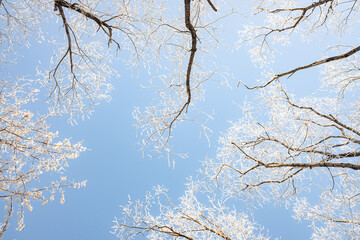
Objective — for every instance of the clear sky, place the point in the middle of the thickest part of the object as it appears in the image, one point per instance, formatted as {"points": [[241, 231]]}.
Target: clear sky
{"points": [[115, 168]]}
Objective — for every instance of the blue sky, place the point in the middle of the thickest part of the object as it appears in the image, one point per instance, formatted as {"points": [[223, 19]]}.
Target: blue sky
{"points": [[115, 168]]}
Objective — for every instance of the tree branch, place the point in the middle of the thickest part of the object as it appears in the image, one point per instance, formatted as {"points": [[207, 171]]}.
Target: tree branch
{"points": [[103, 25], [314, 64], [212, 5], [313, 165], [6, 223], [193, 49], [330, 117]]}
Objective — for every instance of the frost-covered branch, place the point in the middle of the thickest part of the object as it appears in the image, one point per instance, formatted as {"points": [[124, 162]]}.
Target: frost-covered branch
{"points": [[190, 219], [102, 24], [29, 150]]}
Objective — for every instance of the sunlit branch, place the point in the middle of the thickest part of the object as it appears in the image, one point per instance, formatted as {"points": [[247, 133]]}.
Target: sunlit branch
{"points": [[328, 117], [9, 213]]}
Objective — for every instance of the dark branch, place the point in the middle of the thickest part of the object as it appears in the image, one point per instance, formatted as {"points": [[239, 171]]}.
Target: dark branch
{"points": [[300, 18], [324, 163], [212, 5], [313, 165], [103, 25], [193, 49], [314, 64], [304, 9]]}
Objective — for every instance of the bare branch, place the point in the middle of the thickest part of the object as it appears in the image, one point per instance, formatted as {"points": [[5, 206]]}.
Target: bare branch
{"points": [[314, 165], [212, 5], [314, 64], [190, 27]]}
